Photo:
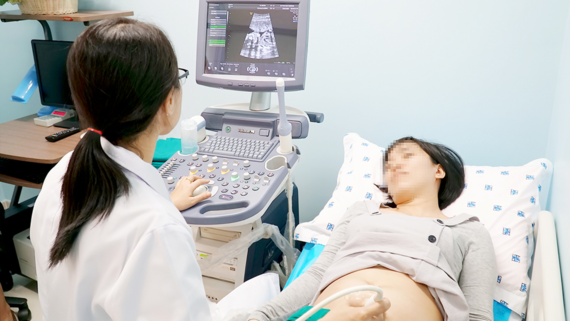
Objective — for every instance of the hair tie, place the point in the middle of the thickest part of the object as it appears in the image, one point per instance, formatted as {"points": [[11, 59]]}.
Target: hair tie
{"points": [[96, 131]]}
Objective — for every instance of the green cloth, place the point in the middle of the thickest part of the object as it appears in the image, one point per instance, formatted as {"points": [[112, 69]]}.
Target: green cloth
{"points": [[165, 148], [317, 316]]}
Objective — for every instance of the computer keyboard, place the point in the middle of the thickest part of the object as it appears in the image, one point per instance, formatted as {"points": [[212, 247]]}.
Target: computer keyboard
{"points": [[237, 147]]}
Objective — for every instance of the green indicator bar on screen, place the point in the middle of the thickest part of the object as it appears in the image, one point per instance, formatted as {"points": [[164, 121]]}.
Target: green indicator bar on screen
{"points": [[217, 42], [218, 27]]}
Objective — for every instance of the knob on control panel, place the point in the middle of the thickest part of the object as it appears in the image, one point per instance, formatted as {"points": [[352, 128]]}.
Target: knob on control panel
{"points": [[246, 176], [235, 176], [195, 156], [211, 167], [245, 163], [215, 159], [225, 169], [205, 158], [170, 180], [199, 190]]}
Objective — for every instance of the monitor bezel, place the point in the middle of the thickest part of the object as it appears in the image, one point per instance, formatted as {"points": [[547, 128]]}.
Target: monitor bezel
{"points": [[38, 72], [262, 83]]}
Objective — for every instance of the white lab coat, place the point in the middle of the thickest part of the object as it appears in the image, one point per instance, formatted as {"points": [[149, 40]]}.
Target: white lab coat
{"points": [[137, 264]]}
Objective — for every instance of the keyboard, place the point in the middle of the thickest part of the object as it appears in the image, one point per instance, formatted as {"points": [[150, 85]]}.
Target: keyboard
{"points": [[237, 147]]}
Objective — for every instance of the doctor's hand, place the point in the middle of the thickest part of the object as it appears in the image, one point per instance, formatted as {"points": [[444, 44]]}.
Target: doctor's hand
{"points": [[374, 312], [182, 197]]}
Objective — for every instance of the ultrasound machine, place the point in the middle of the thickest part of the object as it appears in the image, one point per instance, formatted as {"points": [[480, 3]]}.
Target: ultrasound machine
{"points": [[258, 47]]}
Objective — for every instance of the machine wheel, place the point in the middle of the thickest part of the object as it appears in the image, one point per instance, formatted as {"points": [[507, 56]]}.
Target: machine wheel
{"points": [[25, 314]]}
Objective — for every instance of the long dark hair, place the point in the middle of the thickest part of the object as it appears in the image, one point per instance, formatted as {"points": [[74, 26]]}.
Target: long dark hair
{"points": [[451, 185], [120, 72]]}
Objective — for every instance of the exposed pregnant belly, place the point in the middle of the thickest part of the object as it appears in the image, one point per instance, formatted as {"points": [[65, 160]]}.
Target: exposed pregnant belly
{"points": [[410, 300]]}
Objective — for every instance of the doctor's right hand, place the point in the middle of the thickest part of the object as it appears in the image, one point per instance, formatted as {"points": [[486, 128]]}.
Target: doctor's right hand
{"points": [[373, 312], [182, 197]]}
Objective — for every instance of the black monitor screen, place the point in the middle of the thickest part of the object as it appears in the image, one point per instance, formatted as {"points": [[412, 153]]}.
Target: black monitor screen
{"points": [[253, 39], [50, 58]]}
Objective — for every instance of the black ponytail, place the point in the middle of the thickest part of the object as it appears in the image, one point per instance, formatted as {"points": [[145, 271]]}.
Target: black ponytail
{"points": [[91, 185], [120, 72]]}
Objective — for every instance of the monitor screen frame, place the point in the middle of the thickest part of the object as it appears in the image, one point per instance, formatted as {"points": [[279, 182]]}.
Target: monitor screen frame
{"points": [[260, 83], [38, 72]]}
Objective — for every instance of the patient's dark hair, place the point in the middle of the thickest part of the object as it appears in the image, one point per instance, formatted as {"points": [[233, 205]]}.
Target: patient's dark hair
{"points": [[451, 185], [120, 73]]}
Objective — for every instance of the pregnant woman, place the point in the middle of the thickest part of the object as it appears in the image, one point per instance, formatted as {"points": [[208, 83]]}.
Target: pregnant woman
{"points": [[430, 266]]}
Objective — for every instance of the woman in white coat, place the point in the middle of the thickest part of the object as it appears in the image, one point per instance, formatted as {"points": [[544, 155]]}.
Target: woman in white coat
{"points": [[110, 242]]}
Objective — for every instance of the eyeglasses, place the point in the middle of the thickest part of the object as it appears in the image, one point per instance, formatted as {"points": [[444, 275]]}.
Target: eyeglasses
{"points": [[183, 75]]}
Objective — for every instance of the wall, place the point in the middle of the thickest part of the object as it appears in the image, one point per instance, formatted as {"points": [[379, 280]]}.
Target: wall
{"points": [[15, 61], [559, 152], [473, 75]]}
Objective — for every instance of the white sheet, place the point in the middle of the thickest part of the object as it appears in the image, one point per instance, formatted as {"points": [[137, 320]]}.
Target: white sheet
{"points": [[249, 296]]}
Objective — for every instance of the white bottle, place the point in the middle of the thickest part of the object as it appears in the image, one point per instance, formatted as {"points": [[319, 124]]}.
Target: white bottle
{"points": [[189, 137]]}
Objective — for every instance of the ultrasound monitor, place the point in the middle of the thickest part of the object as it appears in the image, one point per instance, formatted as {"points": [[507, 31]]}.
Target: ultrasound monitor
{"points": [[247, 45], [50, 58]]}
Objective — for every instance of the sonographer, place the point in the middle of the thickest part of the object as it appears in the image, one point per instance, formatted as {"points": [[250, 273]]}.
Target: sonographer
{"points": [[109, 240]]}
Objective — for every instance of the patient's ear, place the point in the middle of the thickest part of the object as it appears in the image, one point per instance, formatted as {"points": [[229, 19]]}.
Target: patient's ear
{"points": [[440, 173]]}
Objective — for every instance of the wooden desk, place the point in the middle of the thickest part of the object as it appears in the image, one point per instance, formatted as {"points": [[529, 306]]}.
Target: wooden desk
{"points": [[22, 140]]}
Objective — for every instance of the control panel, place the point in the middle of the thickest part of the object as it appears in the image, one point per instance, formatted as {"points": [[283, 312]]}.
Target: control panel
{"points": [[245, 176]]}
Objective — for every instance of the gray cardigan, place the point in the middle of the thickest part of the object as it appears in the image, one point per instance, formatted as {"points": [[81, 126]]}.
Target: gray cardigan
{"points": [[466, 266]]}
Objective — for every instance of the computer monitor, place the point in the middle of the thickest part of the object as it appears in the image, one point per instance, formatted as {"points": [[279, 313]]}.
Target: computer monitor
{"points": [[247, 45], [50, 58]]}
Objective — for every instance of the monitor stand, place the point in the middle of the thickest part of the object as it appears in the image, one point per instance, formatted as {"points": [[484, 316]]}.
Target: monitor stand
{"points": [[68, 123], [260, 101]]}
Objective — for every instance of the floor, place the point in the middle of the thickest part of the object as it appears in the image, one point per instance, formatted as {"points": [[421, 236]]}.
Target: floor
{"points": [[28, 289]]}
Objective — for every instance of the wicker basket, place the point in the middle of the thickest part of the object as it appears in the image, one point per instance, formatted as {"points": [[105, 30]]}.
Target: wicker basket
{"points": [[48, 6]]}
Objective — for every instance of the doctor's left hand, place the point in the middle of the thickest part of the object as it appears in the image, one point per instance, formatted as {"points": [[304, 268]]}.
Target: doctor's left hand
{"points": [[182, 197]]}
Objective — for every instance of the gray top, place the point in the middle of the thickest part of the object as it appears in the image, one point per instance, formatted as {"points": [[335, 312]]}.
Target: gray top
{"points": [[460, 271]]}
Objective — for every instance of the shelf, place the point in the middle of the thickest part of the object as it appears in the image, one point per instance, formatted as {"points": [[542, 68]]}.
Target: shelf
{"points": [[80, 16], [18, 182]]}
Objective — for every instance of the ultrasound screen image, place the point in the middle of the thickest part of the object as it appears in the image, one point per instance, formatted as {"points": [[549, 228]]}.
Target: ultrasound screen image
{"points": [[260, 43], [254, 39]]}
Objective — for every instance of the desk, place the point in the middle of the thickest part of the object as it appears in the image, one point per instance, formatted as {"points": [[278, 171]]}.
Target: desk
{"points": [[22, 140]]}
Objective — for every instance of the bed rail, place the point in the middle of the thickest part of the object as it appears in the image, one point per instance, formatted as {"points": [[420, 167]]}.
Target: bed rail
{"points": [[545, 293]]}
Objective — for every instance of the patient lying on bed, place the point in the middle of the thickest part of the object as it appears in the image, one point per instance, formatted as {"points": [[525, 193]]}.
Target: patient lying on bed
{"points": [[431, 267]]}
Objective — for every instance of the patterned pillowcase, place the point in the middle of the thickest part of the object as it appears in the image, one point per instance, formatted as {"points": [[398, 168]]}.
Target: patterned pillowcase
{"points": [[507, 201], [361, 170]]}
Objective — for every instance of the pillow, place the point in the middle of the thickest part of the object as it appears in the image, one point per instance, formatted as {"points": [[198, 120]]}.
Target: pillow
{"points": [[507, 201], [361, 170]]}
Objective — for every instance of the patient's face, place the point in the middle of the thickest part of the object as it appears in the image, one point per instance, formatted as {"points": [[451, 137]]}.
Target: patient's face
{"points": [[410, 172]]}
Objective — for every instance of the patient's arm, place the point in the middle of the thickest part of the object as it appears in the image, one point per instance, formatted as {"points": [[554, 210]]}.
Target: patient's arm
{"points": [[301, 291], [478, 275]]}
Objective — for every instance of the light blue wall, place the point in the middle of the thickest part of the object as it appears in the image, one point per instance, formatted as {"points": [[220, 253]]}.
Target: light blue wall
{"points": [[477, 76], [15, 61], [559, 153]]}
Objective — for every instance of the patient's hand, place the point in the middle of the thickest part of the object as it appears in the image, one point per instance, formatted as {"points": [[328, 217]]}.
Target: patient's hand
{"points": [[373, 312]]}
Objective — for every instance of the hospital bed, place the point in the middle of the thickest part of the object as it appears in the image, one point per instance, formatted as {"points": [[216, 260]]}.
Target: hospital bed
{"points": [[545, 296]]}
